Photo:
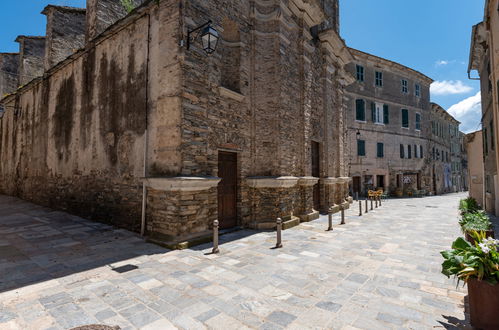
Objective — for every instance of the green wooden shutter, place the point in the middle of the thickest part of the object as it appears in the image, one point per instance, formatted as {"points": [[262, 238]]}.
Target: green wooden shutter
{"points": [[386, 116], [361, 148], [360, 113], [401, 151], [373, 112]]}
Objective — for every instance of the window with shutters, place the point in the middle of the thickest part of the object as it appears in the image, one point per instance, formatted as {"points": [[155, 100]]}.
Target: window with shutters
{"points": [[409, 152], [361, 148], [402, 151], [360, 110], [416, 151], [418, 121], [405, 88], [378, 78], [421, 151], [417, 90], [386, 114], [380, 150], [405, 118], [360, 73]]}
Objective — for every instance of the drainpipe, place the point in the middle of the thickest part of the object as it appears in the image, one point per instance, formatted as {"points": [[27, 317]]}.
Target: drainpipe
{"points": [[144, 187]]}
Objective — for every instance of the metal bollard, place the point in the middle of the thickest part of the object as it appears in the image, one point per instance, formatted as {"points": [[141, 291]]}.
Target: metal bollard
{"points": [[360, 208], [342, 216], [215, 237], [279, 229], [330, 220], [371, 203], [380, 200], [376, 202], [367, 209]]}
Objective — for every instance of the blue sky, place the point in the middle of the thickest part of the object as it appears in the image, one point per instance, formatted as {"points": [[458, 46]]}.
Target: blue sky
{"points": [[431, 36]]}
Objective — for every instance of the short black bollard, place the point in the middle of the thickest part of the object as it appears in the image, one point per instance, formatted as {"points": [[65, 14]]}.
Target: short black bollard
{"points": [[371, 203], [380, 198], [215, 237], [376, 202], [279, 229], [330, 220], [367, 209], [342, 216], [360, 208]]}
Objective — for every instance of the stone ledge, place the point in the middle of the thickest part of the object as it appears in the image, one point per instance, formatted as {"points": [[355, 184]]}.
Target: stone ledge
{"points": [[309, 217], [307, 181], [286, 224], [182, 183], [231, 94], [272, 182]]}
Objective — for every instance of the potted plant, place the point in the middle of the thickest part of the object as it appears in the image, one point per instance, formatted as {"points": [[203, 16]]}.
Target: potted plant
{"points": [[478, 266], [477, 221], [468, 205]]}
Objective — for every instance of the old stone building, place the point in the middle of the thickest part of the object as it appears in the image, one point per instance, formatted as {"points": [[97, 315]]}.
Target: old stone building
{"points": [[388, 122], [142, 128], [9, 66], [484, 59], [445, 150], [474, 150]]}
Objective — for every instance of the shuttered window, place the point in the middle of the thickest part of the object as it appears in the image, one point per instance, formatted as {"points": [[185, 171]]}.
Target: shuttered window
{"points": [[360, 110], [386, 114], [360, 73], [409, 153], [405, 118], [380, 150], [418, 121], [378, 78], [421, 151], [361, 148], [402, 151]]}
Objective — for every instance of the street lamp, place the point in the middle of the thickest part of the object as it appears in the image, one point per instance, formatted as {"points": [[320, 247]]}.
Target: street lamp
{"points": [[209, 37], [358, 135]]}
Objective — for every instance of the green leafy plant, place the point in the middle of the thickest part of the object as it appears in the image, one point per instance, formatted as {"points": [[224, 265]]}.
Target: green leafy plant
{"points": [[468, 205], [480, 261], [476, 221], [129, 5]]}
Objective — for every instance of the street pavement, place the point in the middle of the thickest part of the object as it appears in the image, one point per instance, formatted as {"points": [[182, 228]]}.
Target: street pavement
{"points": [[378, 271]]}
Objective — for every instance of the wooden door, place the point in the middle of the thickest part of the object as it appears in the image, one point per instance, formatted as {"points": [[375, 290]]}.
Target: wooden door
{"points": [[316, 172], [356, 184], [227, 189]]}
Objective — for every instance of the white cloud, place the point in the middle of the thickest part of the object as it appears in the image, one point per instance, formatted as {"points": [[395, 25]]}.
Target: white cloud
{"points": [[468, 112], [441, 62], [449, 87]]}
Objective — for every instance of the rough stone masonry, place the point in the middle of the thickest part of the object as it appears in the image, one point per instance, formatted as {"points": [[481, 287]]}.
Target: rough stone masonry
{"points": [[139, 130]]}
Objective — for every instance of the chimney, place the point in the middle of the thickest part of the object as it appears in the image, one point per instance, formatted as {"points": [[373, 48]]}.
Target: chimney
{"points": [[31, 57], [9, 66], [65, 33], [101, 14]]}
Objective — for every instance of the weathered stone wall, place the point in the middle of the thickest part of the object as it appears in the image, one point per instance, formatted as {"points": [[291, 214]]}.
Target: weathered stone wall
{"points": [[65, 33], [75, 139], [101, 14], [9, 73], [31, 58]]}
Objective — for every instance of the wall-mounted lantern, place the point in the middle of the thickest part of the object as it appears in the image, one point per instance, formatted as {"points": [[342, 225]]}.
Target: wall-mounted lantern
{"points": [[358, 135], [209, 37]]}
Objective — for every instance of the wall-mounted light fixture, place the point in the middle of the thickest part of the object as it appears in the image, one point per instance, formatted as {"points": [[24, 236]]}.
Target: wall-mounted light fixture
{"points": [[209, 37], [358, 135]]}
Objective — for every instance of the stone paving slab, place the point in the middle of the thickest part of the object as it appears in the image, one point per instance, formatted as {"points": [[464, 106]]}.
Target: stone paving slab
{"points": [[379, 271]]}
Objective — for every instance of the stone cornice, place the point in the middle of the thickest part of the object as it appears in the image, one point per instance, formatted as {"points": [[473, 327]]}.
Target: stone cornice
{"points": [[332, 42], [182, 183], [307, 181], [309, 10], [272, 182]]}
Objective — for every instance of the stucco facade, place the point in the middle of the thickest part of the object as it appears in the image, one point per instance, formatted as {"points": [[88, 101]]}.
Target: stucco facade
{"points": [[474, 143], [138, 130], [388, 122]]}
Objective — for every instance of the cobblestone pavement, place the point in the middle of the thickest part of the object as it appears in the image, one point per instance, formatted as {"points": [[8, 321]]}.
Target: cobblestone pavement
{"points": [[379, 271]]}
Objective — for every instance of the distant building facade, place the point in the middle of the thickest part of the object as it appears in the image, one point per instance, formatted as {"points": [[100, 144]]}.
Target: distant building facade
{"points": [[388, 121]]}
